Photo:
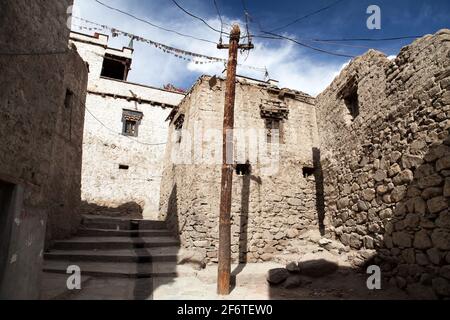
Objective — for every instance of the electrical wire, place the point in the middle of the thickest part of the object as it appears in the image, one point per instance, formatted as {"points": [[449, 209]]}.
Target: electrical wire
{"points": [[198, 18], [311, 47], [152, 24], [307, 16], [221, 20]]}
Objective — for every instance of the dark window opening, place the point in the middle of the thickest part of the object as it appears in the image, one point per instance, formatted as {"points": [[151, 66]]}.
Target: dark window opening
{"points": [[243, 169], [68, 99], [308, 172], [130, 128], [179, 127], [352, 103], [274, 131], [6, 222], [131, 121], [115, 67], [123, 167]]}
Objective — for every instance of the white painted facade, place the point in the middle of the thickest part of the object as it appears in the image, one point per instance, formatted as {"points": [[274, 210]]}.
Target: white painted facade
{"points": [[107, 189]]}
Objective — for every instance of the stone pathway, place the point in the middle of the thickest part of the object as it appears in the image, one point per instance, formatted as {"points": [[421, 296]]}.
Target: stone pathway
{"points": [[138, 260]]}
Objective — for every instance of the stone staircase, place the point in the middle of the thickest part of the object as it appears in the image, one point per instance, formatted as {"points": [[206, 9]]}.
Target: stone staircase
{"points": [[117, 248]]}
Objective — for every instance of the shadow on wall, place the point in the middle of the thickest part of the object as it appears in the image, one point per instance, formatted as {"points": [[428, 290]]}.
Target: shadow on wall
{"points": [[243, 224], [320, 198], [129, 210], [412, 204], [416, 253]]}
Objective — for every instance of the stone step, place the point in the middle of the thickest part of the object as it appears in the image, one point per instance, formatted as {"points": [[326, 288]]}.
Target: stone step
{"points": [[87, 232], [98, 222], [114, 243], [121, 269], [162, 254]]}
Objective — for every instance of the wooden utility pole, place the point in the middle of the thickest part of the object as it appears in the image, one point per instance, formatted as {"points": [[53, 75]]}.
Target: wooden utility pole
{"points": [[224, 270]]}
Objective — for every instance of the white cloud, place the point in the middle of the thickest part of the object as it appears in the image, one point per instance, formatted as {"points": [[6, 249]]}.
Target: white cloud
{"points": [[285, 61]]}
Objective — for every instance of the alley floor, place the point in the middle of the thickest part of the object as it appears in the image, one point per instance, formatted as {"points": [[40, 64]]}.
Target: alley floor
{"points": [[251, 284]]}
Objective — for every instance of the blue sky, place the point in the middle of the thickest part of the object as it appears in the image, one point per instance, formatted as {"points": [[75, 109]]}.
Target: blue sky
{"points": [[294, 66]]}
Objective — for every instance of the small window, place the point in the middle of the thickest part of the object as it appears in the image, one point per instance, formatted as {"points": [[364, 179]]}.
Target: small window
{"points": [[131, 121], [178, 124], [243, 169], [115, 67], [123, 167], [274, 130], [130, 128], [308, 172], [68, 100]]}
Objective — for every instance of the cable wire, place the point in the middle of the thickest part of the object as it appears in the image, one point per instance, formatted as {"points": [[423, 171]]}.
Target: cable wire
{"points": [[311, 47], [152, 24], [307, 16], [221, 20], [198, 18]]}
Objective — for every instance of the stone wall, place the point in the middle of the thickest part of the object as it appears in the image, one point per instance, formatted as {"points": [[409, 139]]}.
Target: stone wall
{"points": [[107, 189], [387, 172], [41, 129], [270, 209]]}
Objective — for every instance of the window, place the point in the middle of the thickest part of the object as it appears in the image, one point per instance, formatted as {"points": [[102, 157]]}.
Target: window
{"points": [[351, 101], [179, 127], [123, 167], [130, 128], [115, 67], [68, 99], [308, 172], [243, 169], [274, 130], [131, 121], [349, 93]]}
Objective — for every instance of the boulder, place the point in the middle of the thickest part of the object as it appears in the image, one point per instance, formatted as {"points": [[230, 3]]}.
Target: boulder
{"points": [[277, 276], [317, 268]]}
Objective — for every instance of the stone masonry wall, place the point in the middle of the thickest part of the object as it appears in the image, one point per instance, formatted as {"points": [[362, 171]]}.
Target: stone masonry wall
{"points": [[40, 150], [269, 211], [387, 173]]}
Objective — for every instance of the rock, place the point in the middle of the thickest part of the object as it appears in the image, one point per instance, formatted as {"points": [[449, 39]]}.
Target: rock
{"points": [[292, 233], [317, 268], [402, 239], [422, 240], [444, 220], [382, 189], [401, 282], [434, 256], [420, 292], [293, 267], [441, 286], [445, 272], [430, 181], [368, 194], [323, 242], [431, 193], [443, 163], [277, 276], [343, 203], [441, 239], [380, 175], [410, 161], [420, 206], [422, 259], [266, 257], [398, 193], [293, 282], [437, 204], [294, 202], [447, 188]]}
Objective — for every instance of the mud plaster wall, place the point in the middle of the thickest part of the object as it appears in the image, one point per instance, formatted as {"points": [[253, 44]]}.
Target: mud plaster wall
{"points": [[106, 189], [269, 211], [40, 151], [387, 173]]}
